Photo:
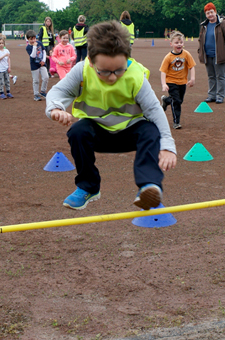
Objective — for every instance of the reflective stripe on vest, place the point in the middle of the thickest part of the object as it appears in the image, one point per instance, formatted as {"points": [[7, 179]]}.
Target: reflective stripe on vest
{"points": [[79, 38], [130, 30], [114, 111], [45, 37]]}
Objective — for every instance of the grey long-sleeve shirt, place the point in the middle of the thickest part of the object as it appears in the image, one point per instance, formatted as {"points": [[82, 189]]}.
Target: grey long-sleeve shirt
{"points": [[64, 92]]}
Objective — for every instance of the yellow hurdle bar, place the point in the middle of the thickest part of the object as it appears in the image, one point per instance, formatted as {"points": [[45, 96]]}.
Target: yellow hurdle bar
{"points": [[110, 217]]}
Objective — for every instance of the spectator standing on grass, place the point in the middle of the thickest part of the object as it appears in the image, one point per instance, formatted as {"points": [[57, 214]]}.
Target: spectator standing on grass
{"points": [[111, 120], [46, 36], [63, 55], [5, 69], [125, 21], [80, 38], [37, 54], [211, 52], [174, 76]]}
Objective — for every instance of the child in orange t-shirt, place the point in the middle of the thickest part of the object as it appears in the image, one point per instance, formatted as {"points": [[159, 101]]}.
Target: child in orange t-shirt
{"points": [[63, 55], [174, 76]]}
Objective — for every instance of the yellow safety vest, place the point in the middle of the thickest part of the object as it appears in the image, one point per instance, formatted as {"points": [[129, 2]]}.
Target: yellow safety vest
{"points": [[79, 38], [130, 30], [112, 106], [45, 37]]}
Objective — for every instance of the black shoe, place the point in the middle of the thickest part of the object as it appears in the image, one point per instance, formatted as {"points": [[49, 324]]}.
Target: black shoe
{"points": [[219, 101], [210, 100]]}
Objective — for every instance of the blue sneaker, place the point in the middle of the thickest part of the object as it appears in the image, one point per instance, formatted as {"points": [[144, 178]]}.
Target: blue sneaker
{"points": [[37, 98], [9, 95], [43, 94], [3, 96], [80, 198], [149, 196]]}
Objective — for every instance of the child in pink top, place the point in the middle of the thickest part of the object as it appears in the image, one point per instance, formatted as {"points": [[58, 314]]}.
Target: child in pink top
{"points": [[63, 55], [52, 69]]}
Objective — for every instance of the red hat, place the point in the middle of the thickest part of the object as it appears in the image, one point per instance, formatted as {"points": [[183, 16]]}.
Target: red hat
{"points": [[209, 6]]}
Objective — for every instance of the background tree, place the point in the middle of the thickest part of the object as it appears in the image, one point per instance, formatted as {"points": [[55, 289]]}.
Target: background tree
{"points": [[185, 15]]}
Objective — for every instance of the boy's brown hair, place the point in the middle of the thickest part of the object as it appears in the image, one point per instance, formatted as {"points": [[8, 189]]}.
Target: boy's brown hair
{"points": [[30, 34], [62, 33], [108, 38], [176, 35]]}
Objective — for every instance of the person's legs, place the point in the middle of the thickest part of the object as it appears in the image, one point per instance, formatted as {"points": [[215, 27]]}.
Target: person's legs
{"points": [[7, 81], [61, 72], [52, 71], [83, 52], [210, 67], [146, 136], [176, 93], [48, 48], [81, 137], [78, 50], [2, 84], [44, 77], [85, 137], [35, 76], [220, 78]]}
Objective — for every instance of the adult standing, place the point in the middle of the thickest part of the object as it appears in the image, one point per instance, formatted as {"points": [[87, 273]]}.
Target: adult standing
{"points": [[211, 52], [80, 38], [46, 36], [125, 20]]}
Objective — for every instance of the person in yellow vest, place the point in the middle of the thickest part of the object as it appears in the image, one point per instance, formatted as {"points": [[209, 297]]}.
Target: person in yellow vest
{"points": [[125, 20], [118, 112], [46, 36], [80, 38]]}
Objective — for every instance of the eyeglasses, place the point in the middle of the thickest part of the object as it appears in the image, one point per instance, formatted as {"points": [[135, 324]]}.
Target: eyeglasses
{"points": [[119, 72]]}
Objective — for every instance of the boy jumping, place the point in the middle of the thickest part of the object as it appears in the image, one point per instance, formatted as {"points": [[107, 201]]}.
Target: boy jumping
{"points": [[118, 112]]}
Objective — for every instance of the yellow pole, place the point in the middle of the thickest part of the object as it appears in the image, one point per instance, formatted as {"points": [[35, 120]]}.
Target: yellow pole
{"points": [[110, 217]]}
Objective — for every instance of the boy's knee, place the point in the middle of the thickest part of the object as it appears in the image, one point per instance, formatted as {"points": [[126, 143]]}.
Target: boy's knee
{"points": [[80, 129]]}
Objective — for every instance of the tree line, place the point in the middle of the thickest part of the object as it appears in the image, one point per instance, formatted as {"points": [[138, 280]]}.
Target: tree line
{"points": [[184, 15]]}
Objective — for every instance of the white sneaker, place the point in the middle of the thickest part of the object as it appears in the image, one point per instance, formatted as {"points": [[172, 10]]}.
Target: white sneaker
{"points": [[14, 80]]}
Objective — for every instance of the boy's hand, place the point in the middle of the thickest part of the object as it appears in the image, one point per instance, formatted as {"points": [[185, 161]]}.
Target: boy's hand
{"points": [[35, 43], [165, 87], [62, 117], [191, 82], [9, 69], [42, 63], [167, 160]]}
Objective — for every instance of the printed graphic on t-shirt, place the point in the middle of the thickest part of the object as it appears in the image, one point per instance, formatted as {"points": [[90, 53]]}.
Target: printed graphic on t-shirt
{"points": [[39, 54], [178, 64]]}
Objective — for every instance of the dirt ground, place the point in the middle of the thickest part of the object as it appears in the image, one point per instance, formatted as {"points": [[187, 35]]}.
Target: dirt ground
{"points": [[111, 279]]}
